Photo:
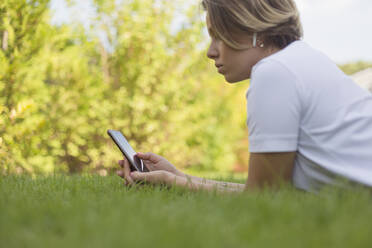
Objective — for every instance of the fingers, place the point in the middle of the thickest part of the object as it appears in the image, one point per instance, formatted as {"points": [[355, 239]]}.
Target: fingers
{"points": [[153, 177], [120, 173], [139, 176], [124, 164]]}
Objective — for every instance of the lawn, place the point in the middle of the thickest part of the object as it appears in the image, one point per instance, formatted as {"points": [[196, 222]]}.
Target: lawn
{"points": [[94, 211]]}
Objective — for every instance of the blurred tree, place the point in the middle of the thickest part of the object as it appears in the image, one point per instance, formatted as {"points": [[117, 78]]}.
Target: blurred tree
{"points": [[164, 97], [23, 31], [40, 67], [62, 88], [352, 68]]}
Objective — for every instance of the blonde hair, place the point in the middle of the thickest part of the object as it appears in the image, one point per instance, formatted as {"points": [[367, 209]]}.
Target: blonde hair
{"points": [[277, 22]]}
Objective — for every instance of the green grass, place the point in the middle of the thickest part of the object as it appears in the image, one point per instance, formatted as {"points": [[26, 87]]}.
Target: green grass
{"points": [[93, 211]]}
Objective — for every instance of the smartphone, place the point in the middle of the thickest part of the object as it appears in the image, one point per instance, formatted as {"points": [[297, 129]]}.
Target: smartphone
{"points": [[135, 162]]}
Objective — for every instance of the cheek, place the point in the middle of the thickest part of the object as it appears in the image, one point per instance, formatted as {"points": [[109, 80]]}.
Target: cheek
{"points": [[242, 63], [242, 66], [247, 60], [238, 63]]}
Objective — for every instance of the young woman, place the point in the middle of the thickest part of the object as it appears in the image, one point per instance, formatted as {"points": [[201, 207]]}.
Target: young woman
{"points": [[309, 124]]}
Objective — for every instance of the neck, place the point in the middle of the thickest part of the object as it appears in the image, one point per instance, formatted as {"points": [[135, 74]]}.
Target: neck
{"points": [[269, 51]]}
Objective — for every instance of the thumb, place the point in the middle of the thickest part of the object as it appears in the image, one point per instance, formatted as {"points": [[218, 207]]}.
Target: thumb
{"points": [[149, 156]]}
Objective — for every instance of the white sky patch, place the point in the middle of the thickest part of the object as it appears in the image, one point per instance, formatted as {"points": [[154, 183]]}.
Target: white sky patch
{"points": [[340, 28]]}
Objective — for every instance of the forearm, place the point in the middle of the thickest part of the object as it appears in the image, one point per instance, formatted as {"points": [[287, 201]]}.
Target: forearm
{"points": [[196, 184], [209, 181]]}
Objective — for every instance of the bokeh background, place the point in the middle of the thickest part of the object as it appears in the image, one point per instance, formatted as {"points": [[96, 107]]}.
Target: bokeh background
{"points": [[70, 70]]}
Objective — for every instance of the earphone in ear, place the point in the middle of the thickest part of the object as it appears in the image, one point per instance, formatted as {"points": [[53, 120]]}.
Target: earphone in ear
{"points": [[255, 41]]}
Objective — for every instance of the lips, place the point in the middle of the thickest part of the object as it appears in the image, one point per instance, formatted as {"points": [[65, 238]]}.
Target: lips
{"points": [[219, 67]]}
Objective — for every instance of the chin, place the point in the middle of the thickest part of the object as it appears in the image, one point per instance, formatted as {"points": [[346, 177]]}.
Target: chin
{"points": [[232, 80], [236, 78]]}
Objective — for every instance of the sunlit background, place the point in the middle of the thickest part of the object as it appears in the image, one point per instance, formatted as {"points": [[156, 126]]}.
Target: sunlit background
{"points": [[339, 28], [70, 70]]}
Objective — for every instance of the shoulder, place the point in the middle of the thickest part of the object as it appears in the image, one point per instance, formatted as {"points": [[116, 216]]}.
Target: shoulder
{"points": [[286, 69], [272, 74], [299, 61], [282, 64]]}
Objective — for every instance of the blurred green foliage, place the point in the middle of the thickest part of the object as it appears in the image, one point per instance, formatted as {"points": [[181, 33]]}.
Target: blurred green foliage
{"points": [[352, 68], [61, 88]]}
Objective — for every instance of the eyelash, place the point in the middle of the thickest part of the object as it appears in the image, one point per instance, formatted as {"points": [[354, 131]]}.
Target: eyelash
{"points": [[213, 36]]}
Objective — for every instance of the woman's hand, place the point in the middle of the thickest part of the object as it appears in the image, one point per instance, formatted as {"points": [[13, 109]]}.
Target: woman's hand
{"points": [[161, 171], [155, 162]]}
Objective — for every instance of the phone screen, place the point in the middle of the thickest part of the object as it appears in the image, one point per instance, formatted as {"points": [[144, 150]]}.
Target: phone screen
{"points": [[127, 150]]}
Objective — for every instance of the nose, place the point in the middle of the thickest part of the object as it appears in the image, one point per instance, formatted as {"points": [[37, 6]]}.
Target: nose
{"points": [[212, 52]]}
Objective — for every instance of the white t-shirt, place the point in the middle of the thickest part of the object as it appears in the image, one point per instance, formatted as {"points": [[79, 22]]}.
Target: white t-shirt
{"points": [[299, 100]]}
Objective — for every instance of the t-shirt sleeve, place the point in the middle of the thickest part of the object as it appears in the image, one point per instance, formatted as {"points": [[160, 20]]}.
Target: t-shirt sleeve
{"points": [[273, 109]]}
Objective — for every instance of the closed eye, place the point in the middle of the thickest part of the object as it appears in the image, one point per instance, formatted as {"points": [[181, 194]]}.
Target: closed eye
{"points": [[213, 34]]}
